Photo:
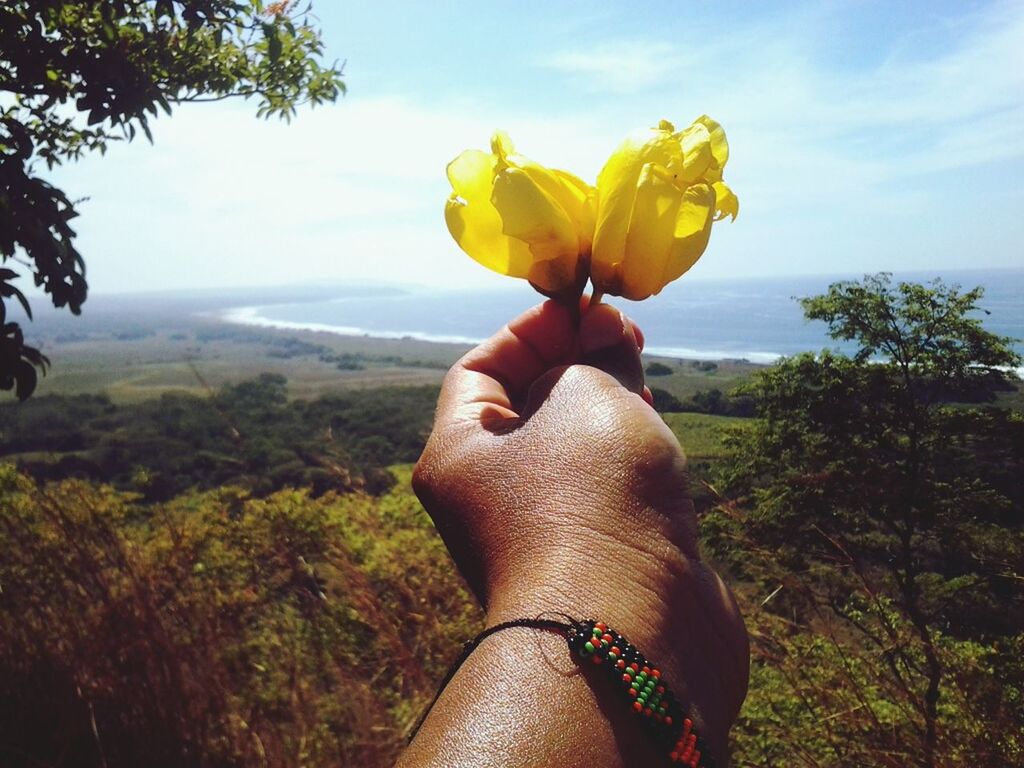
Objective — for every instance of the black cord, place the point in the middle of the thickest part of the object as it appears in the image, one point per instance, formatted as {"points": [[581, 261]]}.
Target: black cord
{"points": [[546, 624]]}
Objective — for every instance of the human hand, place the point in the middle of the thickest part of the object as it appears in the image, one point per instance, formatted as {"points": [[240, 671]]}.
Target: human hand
{"points": [[557, 487]]}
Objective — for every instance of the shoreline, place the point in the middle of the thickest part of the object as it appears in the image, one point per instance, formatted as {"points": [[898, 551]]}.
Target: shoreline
{"points": [[250, 316], [131, 356]]}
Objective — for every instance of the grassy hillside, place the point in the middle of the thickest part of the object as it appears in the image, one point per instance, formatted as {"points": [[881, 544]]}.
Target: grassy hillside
{"points": [[219, 629]]}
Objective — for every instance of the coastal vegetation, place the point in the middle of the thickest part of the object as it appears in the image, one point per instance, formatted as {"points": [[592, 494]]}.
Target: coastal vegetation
{"points": [[239, 574], [216, 628]]}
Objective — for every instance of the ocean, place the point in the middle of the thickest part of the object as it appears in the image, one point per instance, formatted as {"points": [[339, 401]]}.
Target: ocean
{"points": [[753, 319]]}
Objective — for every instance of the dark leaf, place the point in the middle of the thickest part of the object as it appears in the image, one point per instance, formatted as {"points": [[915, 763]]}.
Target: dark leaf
{"points": [[25, 380], [270, 31]]}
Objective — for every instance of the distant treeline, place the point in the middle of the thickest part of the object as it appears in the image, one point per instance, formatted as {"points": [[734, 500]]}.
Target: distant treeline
{"points": [[277, 345], [249, 435]]}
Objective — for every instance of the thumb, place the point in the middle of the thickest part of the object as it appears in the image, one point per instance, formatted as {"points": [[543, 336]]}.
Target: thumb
{"points": [[607, 342]]}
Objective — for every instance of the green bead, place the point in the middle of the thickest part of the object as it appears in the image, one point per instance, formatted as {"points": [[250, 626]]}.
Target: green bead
{"points": [[642, 676], [642, 698], [630, 671], [588, 647], [650, 685], [596, 632], [612, 658]]}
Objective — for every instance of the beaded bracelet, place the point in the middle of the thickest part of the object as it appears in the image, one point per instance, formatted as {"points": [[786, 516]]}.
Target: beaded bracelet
{"points": [[648, 695]]}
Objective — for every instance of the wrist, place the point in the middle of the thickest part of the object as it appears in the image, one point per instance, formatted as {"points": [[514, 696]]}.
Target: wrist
{"points": [[654, 591]]}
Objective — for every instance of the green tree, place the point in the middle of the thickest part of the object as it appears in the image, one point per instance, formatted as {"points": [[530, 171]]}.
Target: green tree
{"points": [[76, 76], [884, 488]]}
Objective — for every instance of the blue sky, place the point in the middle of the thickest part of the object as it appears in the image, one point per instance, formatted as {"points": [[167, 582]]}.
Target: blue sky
{"points": [[864, 136]]}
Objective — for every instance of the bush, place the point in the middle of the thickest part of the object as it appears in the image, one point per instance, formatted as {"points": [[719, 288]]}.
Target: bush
{"points": [[658, 369], [217, 629], [665, 402]]}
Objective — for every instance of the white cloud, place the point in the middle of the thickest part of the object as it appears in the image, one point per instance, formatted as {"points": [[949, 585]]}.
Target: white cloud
{"points": [[618, 66], [352, 191], [960, 106]]}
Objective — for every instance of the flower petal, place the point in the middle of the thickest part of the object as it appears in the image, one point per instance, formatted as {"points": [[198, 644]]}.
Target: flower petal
{"points": [[695, 142], [528, 213], [719, 145], [616, 189], [579, 200], [474, 222], [692, 231], [471, 174], [571, 193], [651, 233], [726, 202], [616, 193], [502, 146]]}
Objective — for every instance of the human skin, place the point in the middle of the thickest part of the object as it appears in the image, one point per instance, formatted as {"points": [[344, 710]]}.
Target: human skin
{"points": [[557, 487]]}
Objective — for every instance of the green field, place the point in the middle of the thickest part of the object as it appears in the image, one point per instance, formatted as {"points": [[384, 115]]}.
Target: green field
{"points": [[189, 355], [701, 435], [138, 369]]}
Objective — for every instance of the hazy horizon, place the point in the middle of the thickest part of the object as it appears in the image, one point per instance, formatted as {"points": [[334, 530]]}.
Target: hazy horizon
{"points": [[520, 286], [864, 137]]}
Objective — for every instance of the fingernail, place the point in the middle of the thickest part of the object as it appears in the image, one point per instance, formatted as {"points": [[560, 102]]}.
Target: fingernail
{"points": [[601, 327]]}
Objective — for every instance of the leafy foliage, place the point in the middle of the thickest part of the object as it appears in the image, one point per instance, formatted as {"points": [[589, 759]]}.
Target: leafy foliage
{"points": [[889, 513], [657, 369], [248, 435], [819, 697], [712, 401], [76, 76]]}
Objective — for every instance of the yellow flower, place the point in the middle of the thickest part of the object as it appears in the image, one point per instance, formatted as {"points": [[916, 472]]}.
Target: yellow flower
{"points": [[659, 194], [519, 218]]}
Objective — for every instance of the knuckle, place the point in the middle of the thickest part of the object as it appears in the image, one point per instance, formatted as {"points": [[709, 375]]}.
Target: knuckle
{"points": [[438, 470], [449, 379], [580, 381], [424, 474]]}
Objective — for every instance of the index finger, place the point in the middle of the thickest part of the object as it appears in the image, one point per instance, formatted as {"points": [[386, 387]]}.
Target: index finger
{"points": [[489, 380]]}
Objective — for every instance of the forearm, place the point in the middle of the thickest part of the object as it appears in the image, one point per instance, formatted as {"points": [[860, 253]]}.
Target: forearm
{"points": [[521, 698]]}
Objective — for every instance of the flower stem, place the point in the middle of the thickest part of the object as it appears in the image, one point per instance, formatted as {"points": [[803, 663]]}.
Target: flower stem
{"points": [[595, 298]]}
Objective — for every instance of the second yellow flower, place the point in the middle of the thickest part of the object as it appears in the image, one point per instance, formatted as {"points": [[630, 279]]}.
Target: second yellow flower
{"points": [[659, 193]]}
